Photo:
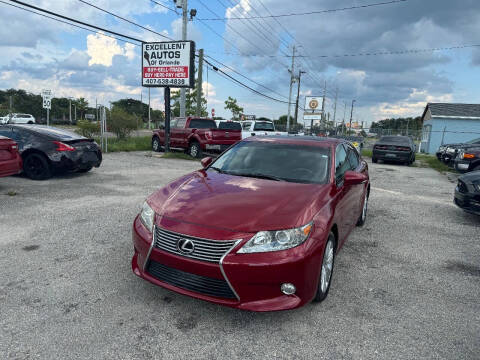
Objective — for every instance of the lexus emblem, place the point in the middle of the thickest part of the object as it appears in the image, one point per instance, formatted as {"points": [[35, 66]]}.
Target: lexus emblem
{"points": [[185, 246]]}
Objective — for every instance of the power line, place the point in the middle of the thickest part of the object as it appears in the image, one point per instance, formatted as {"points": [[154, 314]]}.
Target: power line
{"points": [[217, 70], [284, 42], [230, 27], [74, 20], [138, 40], [68, 23], [311, 12], [265, 33], [164, 6], [245, 77], [124, 19], [397, 52]]}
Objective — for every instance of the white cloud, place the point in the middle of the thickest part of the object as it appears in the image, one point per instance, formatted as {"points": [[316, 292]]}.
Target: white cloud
{"points": [[102, 49]]}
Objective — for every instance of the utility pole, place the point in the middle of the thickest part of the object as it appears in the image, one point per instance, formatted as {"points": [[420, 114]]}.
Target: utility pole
{"points": [[335, 106], [96, 110], [149, 117], [184, 37], [343, 123], [323, 103], [70, 109], [351, 116], [298, 95], [199, 82], [292, 78]]}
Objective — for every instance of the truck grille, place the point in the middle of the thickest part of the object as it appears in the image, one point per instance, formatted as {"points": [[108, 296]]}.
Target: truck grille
{"points": [[200, 284], [203, 249]]}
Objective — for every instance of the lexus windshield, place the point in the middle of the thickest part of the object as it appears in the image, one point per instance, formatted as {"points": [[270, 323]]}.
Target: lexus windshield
{"points": [[280, 162]]}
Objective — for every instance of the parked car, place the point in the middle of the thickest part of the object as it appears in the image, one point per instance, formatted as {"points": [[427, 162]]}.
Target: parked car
{"points": [[196, 135], [468, 159], [259, 127], [20, 119], [258, 228], [394, 148], [3, 119], [10, 160], [467, 192], [47, 150]]}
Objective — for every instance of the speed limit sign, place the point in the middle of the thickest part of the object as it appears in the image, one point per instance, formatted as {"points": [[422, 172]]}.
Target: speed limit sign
{"points": [[47, 103]]}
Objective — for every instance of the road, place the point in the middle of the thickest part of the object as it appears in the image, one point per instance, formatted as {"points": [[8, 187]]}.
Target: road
{"points": [[405, 286]]}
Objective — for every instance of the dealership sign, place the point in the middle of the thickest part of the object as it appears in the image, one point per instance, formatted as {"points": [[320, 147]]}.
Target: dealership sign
{"points": [[168, 64], [313, 104]]}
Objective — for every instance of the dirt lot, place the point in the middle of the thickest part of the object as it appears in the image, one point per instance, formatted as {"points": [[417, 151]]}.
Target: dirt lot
{"points": [[405, 286]]}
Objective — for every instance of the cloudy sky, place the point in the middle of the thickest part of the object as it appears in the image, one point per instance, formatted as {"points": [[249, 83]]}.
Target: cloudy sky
{"points": [[39, 53]]}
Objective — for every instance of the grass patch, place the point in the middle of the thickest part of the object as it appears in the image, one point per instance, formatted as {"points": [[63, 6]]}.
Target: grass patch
{"points": [[367, 153], [12, 193], [178, 155], [431, 161], [140, 143]]}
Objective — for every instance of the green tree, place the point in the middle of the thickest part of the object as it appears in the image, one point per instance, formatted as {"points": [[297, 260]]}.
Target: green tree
{"points": [[190, 103], [82, 106], [121, 123], [231, 104]]}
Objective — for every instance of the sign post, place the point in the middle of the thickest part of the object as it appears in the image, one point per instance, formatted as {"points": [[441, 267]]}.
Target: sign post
{"points": [[168, 64], [47, 102], [312, 112]]}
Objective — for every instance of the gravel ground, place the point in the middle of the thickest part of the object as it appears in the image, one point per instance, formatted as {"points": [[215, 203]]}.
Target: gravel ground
{"points": [[405, 286]]}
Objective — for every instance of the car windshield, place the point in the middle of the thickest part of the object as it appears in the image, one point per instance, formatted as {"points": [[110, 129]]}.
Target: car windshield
{"points": [[229, 125], [263, 126], [282, 162]]}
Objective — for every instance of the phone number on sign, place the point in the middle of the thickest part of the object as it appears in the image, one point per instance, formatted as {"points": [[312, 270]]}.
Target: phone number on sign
{"points": [[164, 81]]}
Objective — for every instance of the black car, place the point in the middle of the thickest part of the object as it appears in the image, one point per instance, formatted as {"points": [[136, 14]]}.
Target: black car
{"points": [[399, 149], [48, 150], [468, 159], [467, 192]]}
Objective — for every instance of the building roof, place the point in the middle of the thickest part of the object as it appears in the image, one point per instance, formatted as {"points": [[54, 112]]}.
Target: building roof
{"points": [[471, 111]]}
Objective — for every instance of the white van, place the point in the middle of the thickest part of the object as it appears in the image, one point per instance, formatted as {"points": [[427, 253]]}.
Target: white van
{"points": [[21, 119]]}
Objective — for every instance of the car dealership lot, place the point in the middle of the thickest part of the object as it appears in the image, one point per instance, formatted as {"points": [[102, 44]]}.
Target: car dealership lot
{"points": [[406, 285]]}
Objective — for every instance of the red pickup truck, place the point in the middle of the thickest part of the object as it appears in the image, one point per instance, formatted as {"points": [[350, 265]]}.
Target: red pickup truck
{"points": [[196, 135], [10, 160]]}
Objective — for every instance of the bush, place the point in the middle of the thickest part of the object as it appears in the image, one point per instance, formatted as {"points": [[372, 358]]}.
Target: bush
{"points": [[87, 128], [121, 123]]}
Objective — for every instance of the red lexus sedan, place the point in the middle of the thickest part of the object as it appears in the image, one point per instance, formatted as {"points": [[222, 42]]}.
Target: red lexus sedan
{"points": [[258, 228], [10, 160]]}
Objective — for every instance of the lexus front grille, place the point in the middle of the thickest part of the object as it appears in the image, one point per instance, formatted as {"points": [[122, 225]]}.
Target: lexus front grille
{"points": [[198, 249]]}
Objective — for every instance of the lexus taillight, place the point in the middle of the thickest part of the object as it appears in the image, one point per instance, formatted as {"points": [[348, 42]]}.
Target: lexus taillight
{"points": [[63, 147], [209, 135]]}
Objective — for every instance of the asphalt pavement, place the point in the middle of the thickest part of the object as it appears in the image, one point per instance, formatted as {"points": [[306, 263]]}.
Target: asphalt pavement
{"points": [[405, 286]]}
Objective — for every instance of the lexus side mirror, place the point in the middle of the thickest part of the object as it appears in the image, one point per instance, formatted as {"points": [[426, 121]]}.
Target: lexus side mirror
{"points": [[354, 178], [206, 161]]}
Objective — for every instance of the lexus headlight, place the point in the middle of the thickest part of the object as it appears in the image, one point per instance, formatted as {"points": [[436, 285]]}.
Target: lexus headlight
{"points": [[146, 216], [265, 241]]}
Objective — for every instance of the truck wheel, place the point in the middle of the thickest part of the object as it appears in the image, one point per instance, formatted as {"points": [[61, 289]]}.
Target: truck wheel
{"points": [[194, 150]]}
